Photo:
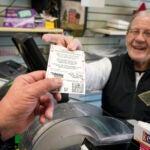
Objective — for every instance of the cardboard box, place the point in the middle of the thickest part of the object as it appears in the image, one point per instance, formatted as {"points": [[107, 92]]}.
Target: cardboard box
{"points": [[144, 147], [19, 18], [49, 24], [142, 135]]}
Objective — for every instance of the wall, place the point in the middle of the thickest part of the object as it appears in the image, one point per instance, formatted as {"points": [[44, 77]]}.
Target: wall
{"points": [[93, 43]]}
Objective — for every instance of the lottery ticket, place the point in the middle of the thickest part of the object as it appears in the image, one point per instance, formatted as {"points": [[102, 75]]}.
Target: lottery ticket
{"points": [[68, 65]]}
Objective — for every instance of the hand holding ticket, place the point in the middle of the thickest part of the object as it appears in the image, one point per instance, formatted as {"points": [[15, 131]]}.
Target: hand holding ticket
{"points": [[68, 65]]}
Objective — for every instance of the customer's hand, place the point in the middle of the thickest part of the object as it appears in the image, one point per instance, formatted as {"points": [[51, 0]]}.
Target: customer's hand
{"points": [[58, 39], [26, 98]]}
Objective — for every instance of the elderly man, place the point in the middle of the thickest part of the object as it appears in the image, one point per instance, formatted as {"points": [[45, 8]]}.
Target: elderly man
{"points": [[122, 78]]}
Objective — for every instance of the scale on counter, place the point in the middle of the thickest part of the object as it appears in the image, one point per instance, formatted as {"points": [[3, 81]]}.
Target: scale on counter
{"points": [[73, 123]]}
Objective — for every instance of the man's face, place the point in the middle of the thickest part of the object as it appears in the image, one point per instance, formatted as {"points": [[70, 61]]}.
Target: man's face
{"points": [[138, 39]]}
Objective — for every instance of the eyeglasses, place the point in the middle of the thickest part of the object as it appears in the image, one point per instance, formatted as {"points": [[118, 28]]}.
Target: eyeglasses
{"points": [[136, 32]]}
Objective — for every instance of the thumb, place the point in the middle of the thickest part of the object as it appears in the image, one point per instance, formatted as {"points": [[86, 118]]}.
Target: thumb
{"points": [[46, 85]]}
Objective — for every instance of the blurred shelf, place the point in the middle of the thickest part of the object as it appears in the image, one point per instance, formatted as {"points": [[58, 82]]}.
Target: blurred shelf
{"points": [[109, 31], [34, 30]]}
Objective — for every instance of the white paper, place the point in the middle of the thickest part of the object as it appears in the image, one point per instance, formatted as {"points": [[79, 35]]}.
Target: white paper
{"points": [[68, 65], [144, 125], [93, 3]]}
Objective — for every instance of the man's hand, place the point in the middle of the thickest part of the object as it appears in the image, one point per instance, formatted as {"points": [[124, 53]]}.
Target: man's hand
{"points": [[58, 39], [27, 97]]}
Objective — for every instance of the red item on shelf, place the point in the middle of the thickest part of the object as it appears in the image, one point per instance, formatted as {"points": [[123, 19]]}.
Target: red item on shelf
{"points": [[141, 8]]}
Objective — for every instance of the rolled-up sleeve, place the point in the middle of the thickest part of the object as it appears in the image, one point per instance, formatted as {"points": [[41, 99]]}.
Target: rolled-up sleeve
{"points": [[97, 74]]}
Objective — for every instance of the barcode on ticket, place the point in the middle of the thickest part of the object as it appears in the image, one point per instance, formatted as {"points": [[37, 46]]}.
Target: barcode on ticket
{"points": [[57, 75], [77, 88]]}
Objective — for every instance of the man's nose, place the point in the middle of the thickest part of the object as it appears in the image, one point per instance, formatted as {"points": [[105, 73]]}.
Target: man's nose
{"points": [[140, 36]]}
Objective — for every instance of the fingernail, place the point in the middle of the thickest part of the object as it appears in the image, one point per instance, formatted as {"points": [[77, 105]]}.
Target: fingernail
{"points": [[58, 80]]}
